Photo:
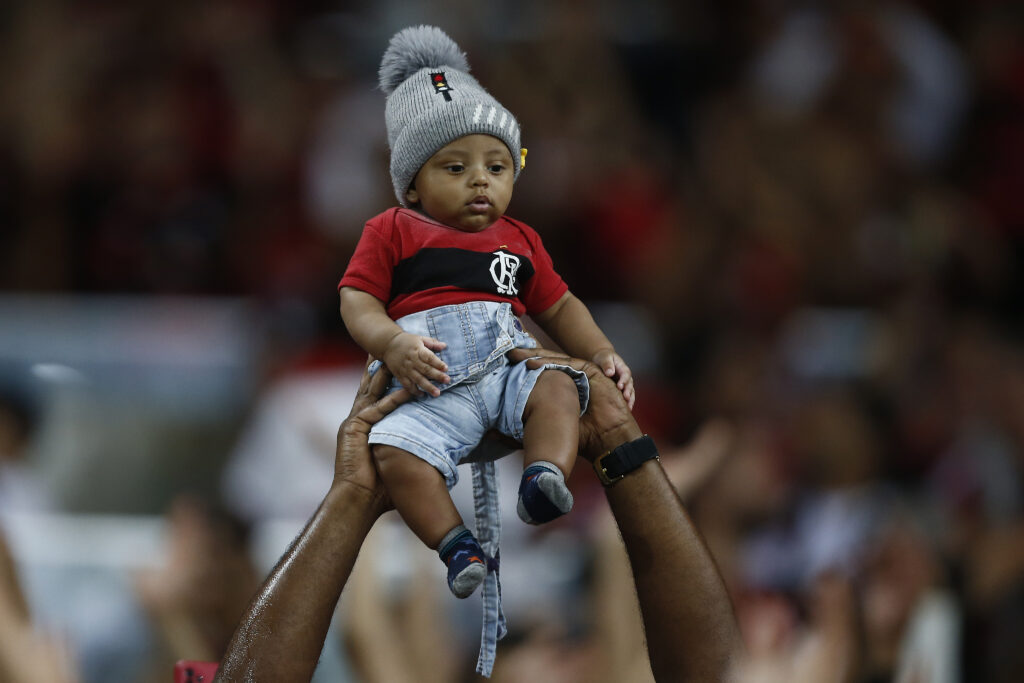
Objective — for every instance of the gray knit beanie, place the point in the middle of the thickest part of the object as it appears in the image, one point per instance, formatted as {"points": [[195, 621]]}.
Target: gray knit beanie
{"points": [[432, 100]]}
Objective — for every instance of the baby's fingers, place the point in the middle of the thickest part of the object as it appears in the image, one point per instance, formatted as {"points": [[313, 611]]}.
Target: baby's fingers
{"points": [[629, 393], [423, 384], [433, 367], [433, 344], [434, 374], [625, 375], [624, 381]]}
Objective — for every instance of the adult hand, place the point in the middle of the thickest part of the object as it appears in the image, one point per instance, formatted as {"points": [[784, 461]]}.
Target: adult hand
{"points": [[608, 421], [352, 462], [689, 626], [281, 636]]}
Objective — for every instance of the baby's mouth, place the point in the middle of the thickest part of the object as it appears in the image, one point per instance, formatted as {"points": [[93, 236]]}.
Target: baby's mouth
{"points": [[480, 204]]}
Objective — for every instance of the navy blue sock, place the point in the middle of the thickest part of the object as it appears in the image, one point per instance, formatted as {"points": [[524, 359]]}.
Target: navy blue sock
{"points": [[467, 563], [543, 495]]}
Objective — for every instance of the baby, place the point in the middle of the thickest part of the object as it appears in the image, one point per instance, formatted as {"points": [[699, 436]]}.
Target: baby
{"points": [[433, 291]]}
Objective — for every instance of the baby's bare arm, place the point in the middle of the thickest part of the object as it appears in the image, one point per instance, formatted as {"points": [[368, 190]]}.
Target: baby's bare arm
{"points": [[409, 357], [367, 321], [570, 324]]}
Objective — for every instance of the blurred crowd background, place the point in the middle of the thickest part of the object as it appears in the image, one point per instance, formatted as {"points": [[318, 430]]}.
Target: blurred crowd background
{"points": [[802, 224]]}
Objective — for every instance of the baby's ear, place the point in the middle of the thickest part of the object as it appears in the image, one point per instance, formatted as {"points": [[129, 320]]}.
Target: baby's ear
{"points": [[412, 196]]}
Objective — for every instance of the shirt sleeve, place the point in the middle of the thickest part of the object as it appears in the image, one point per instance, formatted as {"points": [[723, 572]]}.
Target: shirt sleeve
{"points": [[373, 262], [546, 286]]}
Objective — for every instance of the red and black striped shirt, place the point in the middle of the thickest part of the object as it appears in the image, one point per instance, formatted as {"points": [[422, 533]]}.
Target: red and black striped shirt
{"points": [[412, 263]]}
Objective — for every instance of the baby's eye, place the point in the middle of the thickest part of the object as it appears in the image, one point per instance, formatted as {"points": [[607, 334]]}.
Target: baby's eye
{"points": [[496, 168], [455, 168]]}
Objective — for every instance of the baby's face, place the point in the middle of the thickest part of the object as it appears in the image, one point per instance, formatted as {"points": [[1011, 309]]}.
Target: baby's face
{"points": [[467, 184]]}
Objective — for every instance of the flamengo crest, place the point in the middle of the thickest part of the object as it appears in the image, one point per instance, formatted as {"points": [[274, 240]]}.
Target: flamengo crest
{"points": [[503, 271]]}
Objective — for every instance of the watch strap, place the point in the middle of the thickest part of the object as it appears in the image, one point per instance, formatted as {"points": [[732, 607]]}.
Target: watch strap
{"points": [[623, 459]]}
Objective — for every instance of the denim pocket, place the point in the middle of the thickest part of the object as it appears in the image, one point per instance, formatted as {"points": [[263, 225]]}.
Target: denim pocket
{"points": [[468, 331], [477, 335]]}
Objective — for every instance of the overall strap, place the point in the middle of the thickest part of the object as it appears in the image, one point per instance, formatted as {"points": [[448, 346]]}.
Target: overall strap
{"points": [[488, 531]]}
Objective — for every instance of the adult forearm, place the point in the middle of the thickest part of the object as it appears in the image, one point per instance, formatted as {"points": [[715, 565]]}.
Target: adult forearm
{"points": [[692, 634], [691, 631], [282, 633]]}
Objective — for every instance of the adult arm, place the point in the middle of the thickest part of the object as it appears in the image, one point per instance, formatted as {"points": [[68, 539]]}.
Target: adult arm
{"points": [[282, 633], [371, 633], [691, 630]]}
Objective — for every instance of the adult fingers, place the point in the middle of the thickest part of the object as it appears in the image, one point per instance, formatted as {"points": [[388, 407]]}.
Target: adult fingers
{"points": [[375, 412], [608, 421], [366, 413], [518, 355], [379, 382], [576, 363], [370, 386]]}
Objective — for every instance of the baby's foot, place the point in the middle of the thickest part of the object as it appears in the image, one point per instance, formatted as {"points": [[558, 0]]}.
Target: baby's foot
{"points": [[467, 564], [543, 495]]}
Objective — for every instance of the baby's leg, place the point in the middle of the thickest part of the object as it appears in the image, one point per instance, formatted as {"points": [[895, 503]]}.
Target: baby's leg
{"points": [[550, 441], [419, 493]]}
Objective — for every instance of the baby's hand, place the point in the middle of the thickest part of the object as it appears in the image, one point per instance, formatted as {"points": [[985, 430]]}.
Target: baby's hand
{"points": [[613, 366], [411, 359]]}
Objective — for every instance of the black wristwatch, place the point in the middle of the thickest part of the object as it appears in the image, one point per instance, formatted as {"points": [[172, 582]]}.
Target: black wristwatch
{"points": [[621, 460]]}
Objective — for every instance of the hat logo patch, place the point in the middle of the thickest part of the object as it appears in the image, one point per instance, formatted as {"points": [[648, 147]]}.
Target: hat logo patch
{"points": [[441, 85]]}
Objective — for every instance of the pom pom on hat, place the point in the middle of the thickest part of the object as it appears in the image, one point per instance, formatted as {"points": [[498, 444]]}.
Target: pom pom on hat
{"points": [[432, 100], [415, 48]]}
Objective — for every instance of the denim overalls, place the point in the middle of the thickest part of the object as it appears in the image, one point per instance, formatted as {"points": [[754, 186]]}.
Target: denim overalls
{"points": [[485, 392]]}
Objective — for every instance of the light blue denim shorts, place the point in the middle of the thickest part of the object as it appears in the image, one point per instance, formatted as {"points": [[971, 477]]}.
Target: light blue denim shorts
{"points": [[486, 391]]}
